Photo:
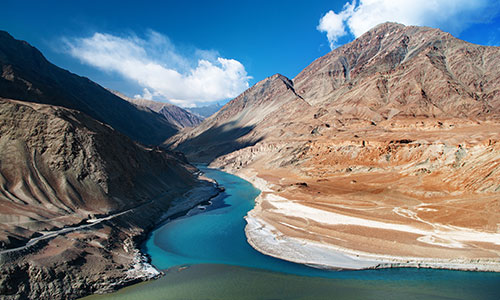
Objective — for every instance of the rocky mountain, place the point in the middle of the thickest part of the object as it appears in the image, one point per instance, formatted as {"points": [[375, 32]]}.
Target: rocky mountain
{"points": [[57, 164], [77, 194], [385, 149], [205, 111], [242, 122], [76, 198], [28, 76], [172, 113]]}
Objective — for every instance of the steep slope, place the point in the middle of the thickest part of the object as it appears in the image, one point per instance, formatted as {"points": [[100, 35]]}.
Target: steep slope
{"points": [[239, 123], [409, 71], [28, 76], [172, 113], [384, 153], [76, 199]]}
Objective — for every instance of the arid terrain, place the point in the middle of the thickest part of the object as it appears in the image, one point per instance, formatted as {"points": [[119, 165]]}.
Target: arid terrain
{"points": [[384, 152], [77, 194]]}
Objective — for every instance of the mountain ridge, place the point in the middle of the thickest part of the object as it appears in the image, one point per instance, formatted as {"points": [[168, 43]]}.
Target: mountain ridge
{"points": [[27, 75], [172, 113]]}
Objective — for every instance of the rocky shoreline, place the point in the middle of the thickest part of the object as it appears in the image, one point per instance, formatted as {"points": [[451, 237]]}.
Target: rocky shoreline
{"points": [[98, 260], [268, 240]]}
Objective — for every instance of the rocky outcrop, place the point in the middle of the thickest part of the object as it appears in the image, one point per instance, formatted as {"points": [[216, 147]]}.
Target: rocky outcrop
{"points": [[26, 75]]}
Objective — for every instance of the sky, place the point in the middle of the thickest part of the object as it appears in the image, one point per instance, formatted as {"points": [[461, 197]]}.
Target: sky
{"points": [[194, 53]]}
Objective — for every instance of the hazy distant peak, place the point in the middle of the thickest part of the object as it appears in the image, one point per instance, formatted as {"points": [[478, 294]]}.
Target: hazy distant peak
{"points": [[174, 114]]}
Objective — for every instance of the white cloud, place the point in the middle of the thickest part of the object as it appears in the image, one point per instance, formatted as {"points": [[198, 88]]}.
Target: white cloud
{"points": [[449, 15], [155, 65], [333, 24], [145, 95]]}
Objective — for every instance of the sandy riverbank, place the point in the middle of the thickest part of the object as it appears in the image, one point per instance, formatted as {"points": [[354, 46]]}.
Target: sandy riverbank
{"points": [[292, 230]]}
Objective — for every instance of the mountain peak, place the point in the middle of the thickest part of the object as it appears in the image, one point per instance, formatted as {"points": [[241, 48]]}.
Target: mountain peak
{"points": [[388, 26]]}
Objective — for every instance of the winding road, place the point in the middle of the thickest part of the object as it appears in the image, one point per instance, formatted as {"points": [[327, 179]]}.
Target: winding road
{"points": [[50, 234]]}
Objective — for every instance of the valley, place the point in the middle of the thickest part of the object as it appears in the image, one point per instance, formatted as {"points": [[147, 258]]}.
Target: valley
{"points": [[380, 158]]}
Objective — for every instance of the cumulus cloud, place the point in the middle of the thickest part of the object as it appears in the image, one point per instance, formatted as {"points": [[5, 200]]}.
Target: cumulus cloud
{"points": [[359, 17], [155, 64]]}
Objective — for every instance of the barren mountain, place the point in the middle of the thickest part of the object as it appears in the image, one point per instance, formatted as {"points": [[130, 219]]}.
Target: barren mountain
{"points": [[57, 168], [76, 199], [383, 152], [172, 113], [242, 122], [77, 195], [28, 76]]}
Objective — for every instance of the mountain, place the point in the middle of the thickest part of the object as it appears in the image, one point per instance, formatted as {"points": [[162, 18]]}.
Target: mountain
{"points": [[385, 151], [57, 164], [172, 113], [205, 111], [77, 197], [28, 76], [237, 124]]}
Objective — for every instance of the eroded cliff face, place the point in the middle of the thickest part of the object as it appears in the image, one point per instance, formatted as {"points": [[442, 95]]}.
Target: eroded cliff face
{"points": [[399, 127], [61, 169]]}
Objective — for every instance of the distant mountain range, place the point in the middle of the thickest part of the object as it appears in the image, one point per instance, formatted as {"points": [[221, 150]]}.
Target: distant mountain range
{"points": [[172, 113], [205, 111]]}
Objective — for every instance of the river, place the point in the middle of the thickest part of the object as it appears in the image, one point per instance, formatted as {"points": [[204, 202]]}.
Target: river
{"points": [[206, 256]]}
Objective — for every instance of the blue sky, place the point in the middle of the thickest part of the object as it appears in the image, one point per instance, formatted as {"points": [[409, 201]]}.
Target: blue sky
{"points": [[197, 52]]}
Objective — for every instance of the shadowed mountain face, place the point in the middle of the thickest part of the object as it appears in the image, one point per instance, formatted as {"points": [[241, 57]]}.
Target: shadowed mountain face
{"points": [[76, 199], [26, 75], [239, 123], [58, 166], [172, 113]]}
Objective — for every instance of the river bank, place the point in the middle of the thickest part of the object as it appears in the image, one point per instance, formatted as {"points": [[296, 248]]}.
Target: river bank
{"points": [[99, 257], [270, 231]]}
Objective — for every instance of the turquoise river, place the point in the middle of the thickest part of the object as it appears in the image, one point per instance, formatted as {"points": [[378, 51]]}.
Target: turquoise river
{"points": [[205, 255]]}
